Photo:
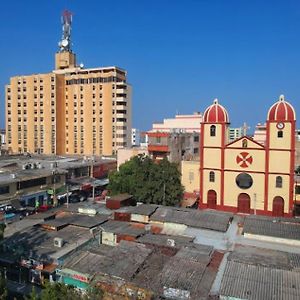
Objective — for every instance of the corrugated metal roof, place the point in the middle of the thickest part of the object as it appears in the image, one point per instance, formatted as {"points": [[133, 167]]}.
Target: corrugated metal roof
{"points": [[164, 240], [84, 220], [183, 274], [122, 261], [144, 209], [272, 227], [260, 256], [246, 281], [120, 227], [199, 253], [207, 219]]}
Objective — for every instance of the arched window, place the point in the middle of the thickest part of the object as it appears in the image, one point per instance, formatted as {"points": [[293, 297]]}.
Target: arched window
{"points": [[280, 134], [278, 181], [245, 143], [212, 130], [211, 176]]}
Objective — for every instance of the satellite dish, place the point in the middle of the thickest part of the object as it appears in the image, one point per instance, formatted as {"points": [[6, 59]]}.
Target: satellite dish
{"points": [[64, 43]]}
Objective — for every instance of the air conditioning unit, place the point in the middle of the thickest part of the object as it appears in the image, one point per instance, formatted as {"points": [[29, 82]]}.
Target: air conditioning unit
{"points": [[58, 242], [171, 242]]}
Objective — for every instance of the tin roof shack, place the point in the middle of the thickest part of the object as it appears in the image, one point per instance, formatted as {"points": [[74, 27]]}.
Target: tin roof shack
{"points": [[83, 221], [106, 266], [254, 273], [121, 200], [187, 275], [39, 250], [176, 220], [142, 213], [123, 214], [280, 230], [28, 222], [115, 231]]}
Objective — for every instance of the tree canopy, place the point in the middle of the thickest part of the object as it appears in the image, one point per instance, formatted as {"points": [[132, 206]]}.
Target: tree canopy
{"points": [[147, 181], [59, 291]]}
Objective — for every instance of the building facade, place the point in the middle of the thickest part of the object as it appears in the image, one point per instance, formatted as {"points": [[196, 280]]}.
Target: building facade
{"points": [[245, 176], [71, 110], [181, 123], [135, 137], [235, 133]]}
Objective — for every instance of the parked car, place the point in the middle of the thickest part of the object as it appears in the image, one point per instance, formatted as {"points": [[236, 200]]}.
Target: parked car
{"points": [[44, 208]]}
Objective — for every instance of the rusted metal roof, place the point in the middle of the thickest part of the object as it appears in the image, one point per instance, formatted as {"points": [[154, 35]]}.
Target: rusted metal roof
{"points": [[120, 227]]}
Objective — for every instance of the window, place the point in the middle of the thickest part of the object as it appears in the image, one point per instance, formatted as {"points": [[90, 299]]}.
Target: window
{"points": [[158, 140], [196, 138], [212, 130], [245, 143], [4, 189], [211, 176], [278, 181], [244, 181], [280, 134]]}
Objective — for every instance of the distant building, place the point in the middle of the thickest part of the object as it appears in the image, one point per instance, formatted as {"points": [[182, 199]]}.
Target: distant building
{"points": [[260, 133], [235, 133], [71, 110], [135, 137], [125, 154], [176, 138], [181, 123], [34, 179], [2, 137], [173, 146]]}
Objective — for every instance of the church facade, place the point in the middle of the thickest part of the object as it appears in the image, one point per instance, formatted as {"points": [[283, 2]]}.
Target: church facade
{"points": [[245, 176]]}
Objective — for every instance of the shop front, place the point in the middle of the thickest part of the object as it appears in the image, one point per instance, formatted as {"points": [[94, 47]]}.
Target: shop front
{"points": [[71, 277]]}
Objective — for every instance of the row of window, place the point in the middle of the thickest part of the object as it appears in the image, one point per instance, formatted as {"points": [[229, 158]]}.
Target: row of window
{"points": [[93, 80], [278, 181], [213, 133]]}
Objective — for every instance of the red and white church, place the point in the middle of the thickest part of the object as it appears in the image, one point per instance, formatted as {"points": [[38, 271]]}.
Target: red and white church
{"points": [[244, 175]]}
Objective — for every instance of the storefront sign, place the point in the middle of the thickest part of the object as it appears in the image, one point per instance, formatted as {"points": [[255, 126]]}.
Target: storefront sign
{"points": [[80, 277]]}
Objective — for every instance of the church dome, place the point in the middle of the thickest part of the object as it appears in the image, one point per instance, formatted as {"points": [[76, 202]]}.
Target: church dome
{"points": [[215, 113], [281, 111]]}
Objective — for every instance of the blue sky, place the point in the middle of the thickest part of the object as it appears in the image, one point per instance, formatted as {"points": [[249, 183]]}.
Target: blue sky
{"points": [[179, 55]]}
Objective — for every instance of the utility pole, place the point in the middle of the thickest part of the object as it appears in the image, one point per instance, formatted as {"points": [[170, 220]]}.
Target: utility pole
{"points": [[67, 195]]}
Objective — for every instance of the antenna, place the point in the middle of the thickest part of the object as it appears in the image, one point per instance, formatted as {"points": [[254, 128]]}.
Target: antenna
{"points": [[65, 42]]}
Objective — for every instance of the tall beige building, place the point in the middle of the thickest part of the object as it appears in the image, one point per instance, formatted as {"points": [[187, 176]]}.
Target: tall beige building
{"points": [[71, 110]]}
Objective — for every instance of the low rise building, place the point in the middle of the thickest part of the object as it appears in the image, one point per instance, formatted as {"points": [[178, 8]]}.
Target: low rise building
{"points": [[41, 180]]}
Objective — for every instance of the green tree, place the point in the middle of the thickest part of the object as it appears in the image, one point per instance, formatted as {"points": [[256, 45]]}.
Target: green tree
{"points": [[2, 227], [147, 181], [3, 288], [59, 291], [33, 295]]}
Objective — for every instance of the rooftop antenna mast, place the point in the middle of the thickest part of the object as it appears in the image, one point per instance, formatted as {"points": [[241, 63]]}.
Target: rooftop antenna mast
{"points": [[65, 42]]}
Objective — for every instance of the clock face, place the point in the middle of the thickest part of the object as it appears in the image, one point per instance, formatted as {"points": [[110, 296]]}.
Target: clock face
{"points": [[280, 125]]}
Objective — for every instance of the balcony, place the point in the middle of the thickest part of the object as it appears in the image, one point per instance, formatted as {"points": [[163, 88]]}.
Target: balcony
{"points": [[158, 148]]}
